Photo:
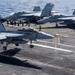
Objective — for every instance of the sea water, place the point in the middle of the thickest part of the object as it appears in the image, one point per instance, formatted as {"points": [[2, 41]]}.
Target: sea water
{"points": [[13, 6]]}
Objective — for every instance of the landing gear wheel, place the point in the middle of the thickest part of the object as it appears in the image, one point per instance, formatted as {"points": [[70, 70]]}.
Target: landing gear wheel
{"points": [[31, 46], [56, 25], [17, 44], [5, 48]]}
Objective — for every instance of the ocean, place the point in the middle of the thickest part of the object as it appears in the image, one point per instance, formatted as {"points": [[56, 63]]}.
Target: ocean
{"points": [[10, 6]]}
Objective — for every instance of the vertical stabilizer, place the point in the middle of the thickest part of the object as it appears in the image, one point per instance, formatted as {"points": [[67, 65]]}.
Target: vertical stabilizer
{"points": [[2, 28], [47, 10], [37, 8], [73, 12]]}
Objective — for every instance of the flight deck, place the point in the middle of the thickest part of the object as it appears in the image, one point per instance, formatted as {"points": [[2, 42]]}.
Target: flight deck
{"points": [[48, 57]]}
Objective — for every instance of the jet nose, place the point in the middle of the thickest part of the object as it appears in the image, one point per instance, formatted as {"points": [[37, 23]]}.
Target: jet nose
{"points": [[43, 35], [42, 21]]}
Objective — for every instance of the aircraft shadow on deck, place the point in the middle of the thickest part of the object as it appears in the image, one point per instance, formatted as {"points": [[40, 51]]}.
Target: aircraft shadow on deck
{"points": [[10, 52], [66, 26], [72, 27], [7, 58], [54, 27]]}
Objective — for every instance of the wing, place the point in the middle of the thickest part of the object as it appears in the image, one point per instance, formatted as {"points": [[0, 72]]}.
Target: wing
{"points": [[12, 35], [2, 37], [25, 15], [32, 14], [67, 19]]}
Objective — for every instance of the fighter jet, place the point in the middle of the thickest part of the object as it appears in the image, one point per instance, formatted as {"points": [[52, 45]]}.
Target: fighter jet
{"points": [[21, 36], [32, 17], [58, 18], [9, 37]]}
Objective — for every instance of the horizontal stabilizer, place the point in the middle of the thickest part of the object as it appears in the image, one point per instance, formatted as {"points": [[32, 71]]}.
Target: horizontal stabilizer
{"points": [[2, 28], [73, 12]]}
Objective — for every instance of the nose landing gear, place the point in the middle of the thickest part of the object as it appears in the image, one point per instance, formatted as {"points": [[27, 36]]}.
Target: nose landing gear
{"points": [[31, 45]]}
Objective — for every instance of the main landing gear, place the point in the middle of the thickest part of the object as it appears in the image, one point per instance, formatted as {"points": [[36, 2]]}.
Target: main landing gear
{"points": [[4, 48], [17, 44], [31, 45], [56, 24]]}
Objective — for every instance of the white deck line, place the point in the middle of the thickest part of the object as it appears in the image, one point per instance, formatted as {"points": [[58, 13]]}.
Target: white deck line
{"points": [[59, 49], [57, 43]]}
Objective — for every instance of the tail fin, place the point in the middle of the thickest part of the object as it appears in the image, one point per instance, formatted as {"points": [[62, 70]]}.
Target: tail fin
{"points": [[37, 8], [2, 28], [73, 12], [47, 10]]}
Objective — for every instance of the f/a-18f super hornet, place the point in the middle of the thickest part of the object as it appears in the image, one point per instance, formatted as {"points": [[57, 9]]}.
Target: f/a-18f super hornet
{"points": [[58, 17], [21, 36], [33, 16]]}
